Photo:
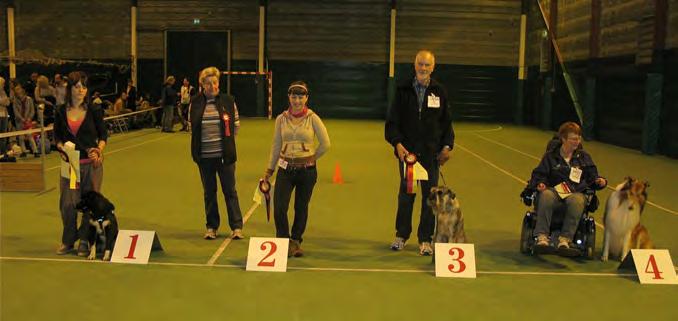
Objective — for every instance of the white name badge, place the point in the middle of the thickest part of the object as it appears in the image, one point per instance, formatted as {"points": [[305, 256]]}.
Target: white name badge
{"points": [[654, 267], [575, 174], [135, 247], [455, 260], [282, 163], [433, 101], [267, 254]]}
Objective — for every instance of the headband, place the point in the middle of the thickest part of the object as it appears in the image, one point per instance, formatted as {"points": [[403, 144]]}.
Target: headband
{"points": [[296, 85]]}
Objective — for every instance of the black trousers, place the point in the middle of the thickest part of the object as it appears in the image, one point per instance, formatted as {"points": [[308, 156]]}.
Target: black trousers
{"points": [[209, 168], [303, 180], [406, 204]]}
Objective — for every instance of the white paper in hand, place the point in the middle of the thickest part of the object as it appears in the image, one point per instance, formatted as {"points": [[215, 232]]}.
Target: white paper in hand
{"points": [[420, 173]]}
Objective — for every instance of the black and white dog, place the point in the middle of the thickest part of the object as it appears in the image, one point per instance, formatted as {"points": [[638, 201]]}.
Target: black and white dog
{"points": [[98, 223]]}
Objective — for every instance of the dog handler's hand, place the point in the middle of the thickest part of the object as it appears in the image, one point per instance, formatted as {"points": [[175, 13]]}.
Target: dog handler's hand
{"points": [[444, 155], [601, 182], [541, 187], [402, 152], [267, 174]]}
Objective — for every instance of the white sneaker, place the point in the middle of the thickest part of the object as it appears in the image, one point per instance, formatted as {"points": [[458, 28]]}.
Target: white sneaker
{"points": [[425, 249], [210, 234], [398, 244]]}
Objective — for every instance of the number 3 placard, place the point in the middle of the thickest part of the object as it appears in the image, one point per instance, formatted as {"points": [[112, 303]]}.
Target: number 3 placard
{"points": [[455, 260], [267, 254]]}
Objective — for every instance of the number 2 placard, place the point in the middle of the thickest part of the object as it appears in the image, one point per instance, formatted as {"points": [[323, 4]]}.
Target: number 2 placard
{"points": [[455, 260], [267, 254]]}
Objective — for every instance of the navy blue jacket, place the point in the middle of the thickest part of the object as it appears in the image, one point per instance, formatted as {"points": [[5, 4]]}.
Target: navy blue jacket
{"points": [[553, 170], [422, 132]]}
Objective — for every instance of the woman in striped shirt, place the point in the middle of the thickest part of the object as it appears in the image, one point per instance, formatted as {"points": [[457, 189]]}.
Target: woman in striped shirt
{"points": [[214, 122]]}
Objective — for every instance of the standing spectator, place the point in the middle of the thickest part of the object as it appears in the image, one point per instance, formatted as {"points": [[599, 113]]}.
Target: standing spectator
{"points": [[187, 91], [131, 93], [59, 90], [4, 115], [82, 124], [419, 127], [169, 102], [24, 110], [29, 86], [214, 119]]}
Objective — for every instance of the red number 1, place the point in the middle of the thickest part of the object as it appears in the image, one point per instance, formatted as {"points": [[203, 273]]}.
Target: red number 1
{"points": [[655, 270], [263, 248], [462, 266], [132, 247]]}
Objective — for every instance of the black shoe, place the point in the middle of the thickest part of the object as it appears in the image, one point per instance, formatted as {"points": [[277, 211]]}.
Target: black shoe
{"points": [[83, 249]]}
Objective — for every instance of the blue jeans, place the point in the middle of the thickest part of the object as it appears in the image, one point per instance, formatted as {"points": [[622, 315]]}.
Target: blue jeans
{"points": [[209, 168], [406, 204], [548, 202]]}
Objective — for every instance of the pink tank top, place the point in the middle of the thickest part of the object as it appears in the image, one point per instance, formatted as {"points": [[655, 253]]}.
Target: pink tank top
{"points": [[74, 126]]}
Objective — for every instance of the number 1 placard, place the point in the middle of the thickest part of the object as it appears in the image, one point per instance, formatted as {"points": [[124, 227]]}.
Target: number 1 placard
{"points": [[135, 247], [267, 254], [455, 260]]}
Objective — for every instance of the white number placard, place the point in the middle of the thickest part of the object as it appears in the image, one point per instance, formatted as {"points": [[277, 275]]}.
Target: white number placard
{"points": [[134, 246], [267, 254], [654, 266], [455, 260]]}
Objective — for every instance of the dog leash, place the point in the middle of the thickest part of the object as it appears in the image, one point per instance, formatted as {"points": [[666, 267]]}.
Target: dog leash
{"points": [[441, 175]]}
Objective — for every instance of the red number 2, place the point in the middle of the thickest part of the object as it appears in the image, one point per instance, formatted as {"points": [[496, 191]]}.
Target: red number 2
{"points": [[272, 250], [457, 258], [655, 270], [132, 247]]}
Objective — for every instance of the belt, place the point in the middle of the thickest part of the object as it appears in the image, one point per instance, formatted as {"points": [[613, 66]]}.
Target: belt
{"points": [[300, 163]]}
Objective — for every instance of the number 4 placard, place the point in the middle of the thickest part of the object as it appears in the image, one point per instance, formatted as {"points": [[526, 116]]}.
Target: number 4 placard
{"points": [[455, 260], [267, 254], [654, 267], [135, 246]]}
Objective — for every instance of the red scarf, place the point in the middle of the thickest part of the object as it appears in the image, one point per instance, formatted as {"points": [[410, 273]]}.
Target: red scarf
{"points": [[299, 114]]}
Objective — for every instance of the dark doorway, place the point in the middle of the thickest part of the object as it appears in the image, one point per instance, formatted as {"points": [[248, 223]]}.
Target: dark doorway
{"points": [[188, 52]]}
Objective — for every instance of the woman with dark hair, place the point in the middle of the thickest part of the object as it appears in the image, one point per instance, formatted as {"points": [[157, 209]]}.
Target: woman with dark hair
{"points": [[565, 171], [82, 125], [294, 151]]}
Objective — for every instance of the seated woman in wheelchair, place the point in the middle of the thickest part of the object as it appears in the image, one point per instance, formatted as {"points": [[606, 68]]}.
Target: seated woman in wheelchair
{"points": [[560, 179]]}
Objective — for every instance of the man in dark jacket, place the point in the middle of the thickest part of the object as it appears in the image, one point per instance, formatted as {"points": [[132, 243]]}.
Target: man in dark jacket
{"points": [[419, 127]]}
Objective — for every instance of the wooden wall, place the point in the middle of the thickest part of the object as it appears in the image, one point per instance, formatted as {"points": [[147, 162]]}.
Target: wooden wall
{"points": [[81, 29]]}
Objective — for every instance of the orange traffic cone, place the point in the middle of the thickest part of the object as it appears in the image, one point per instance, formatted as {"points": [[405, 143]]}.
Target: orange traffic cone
{"points": [[337, 179]]}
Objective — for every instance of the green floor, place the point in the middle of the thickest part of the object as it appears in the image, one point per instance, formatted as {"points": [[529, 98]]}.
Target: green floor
{"points": [[155, 186]]}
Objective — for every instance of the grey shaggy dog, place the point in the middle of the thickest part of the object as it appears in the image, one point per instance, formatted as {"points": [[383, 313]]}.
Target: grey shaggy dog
{"points": [[449, 220]]}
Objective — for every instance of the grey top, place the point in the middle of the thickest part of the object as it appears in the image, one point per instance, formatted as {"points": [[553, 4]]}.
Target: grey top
{"points": [[296, 140]]}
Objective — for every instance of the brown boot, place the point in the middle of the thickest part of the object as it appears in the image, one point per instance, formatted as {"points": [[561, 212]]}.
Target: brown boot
{"points": [[295, 249]]}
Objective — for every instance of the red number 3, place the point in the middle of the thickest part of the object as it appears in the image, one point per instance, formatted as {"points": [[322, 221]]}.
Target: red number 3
{"points": [[271, 251], [457, 254]]}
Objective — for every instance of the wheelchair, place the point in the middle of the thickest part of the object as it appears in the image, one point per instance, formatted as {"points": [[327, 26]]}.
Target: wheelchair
{"points": [[584, 240]]}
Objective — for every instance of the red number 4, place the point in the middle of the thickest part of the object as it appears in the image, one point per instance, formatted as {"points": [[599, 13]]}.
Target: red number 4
{"points": [[271, 251], [457, 254], [655, 270]]}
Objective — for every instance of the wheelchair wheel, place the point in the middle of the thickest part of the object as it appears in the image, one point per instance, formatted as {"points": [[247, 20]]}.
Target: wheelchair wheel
{"points": [[590, 239], [526, 234]]}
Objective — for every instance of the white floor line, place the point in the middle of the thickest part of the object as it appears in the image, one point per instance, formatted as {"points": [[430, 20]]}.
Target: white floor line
{"points": [[121, 149], [537, 158], [496, 129], [228, 240], [330, 269]]}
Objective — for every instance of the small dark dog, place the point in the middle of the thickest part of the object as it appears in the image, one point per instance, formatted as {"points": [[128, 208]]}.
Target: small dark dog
{"points": [[449, 220], [99, 223]]}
